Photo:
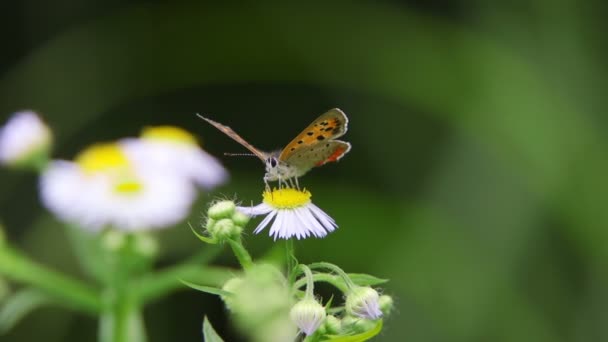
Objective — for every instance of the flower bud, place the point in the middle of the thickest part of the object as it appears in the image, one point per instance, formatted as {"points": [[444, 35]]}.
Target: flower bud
{"points": [[357, 325], [308, 315], [333, 325], [221, 209], [209, 223], [363, 302], [260, 304], [386, 304], [232, 286], [113, 240], [225, 229], [25, 141], [240, 219], [145, 245]]}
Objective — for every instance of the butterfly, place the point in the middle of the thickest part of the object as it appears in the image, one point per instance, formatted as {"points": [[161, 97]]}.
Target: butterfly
{"points": [[316, 145]]}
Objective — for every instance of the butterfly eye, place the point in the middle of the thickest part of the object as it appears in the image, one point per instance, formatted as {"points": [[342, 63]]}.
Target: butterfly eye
{"points": [[272, 162]]}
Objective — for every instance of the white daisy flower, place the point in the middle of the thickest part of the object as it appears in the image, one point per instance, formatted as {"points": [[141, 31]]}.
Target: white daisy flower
{"points": [[172, 148], [103, 189], [22, 137], [293, 213]]}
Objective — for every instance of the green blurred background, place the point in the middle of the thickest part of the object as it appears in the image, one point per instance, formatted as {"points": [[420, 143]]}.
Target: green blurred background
{"points": [[477, 179]]}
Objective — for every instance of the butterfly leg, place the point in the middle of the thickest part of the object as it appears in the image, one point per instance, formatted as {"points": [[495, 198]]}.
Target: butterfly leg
{"points": [[267, 187], [297, 183]]}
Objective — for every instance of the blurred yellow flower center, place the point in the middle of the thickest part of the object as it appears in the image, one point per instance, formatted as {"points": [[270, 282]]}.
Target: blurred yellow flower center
{"points": [[128, 187], [102, 157], [287, 198], [168, 133]]}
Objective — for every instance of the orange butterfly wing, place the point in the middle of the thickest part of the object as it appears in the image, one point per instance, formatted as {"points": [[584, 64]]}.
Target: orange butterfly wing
{"points": [[330, 125]]}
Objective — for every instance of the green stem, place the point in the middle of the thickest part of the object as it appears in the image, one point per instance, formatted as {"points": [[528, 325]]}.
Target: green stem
{"points": [[291, 260], [122, 320], [70, 292], [241, 253], [323, 277], [326, 265], [310, 283]]}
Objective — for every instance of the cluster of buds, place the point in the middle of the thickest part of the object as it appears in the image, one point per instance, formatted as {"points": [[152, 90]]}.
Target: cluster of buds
{"points": [[268, 306], [224, 221]]}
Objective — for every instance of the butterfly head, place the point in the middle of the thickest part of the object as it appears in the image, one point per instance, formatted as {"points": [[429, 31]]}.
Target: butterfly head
{"points": [[276, 169]]}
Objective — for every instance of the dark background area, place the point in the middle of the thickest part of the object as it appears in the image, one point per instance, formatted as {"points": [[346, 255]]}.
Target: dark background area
{"points": [[476, 182]]}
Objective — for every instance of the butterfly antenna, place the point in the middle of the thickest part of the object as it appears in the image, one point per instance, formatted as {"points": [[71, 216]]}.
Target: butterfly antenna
{"points": [[240, 154]]}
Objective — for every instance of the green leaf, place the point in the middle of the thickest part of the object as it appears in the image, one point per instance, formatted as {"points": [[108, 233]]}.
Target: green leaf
{"points": [[358, 337], [207, 289], [362, 279], [209, 334], [201, 237], [19, 305]]}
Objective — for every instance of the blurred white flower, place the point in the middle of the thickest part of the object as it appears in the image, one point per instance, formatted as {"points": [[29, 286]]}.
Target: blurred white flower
{"points": [[293, 213], [23, 136], [172, 148], [102, 188]]}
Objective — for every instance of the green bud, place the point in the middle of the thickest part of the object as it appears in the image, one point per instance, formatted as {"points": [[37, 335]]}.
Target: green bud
{"points": [[260, 305], [113, 240], [240, 219], [386, 304], [146, 245], [221, 209], [232, 286], [362, 301], [332, 325], [308, 315], [225, 229], [210, 223], [352, 324]]}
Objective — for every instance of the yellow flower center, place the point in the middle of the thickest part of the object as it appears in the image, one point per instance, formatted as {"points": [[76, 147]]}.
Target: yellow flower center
{"points": [[102, 157], [109, 158], [286, 198], [168, 133], [128, 187]]}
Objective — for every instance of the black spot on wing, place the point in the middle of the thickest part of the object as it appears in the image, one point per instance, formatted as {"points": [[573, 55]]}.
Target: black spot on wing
{"points": [[320, 137]]}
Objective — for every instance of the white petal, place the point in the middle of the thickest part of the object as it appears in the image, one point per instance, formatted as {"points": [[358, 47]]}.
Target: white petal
{"points": [[277, 225], [260, 209], [309, 221], [326, 220], [184, 159], [92, 201], [264, 222]]}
